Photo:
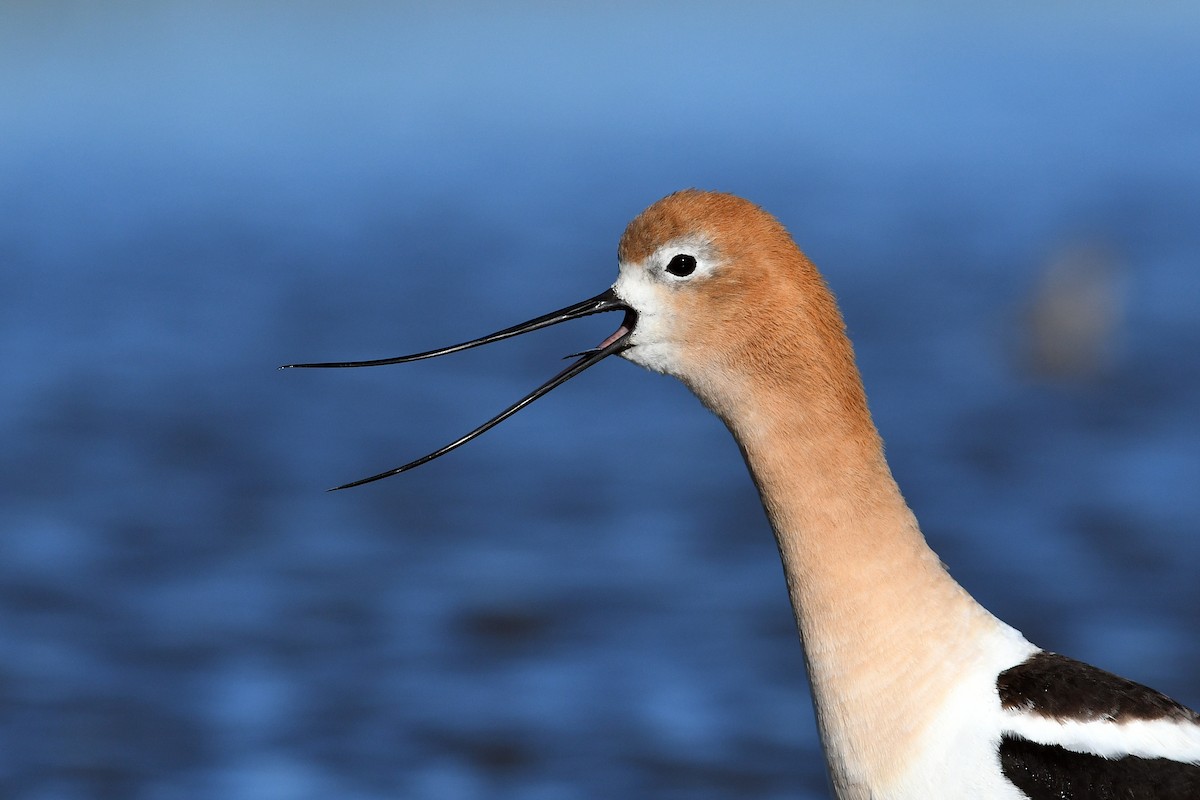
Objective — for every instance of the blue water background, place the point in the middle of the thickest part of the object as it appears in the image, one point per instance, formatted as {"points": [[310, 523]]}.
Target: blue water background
{"points": [[587, 602]]}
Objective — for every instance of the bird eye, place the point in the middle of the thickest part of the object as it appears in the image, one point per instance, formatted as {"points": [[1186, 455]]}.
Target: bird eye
{"points": [[682, 265]]}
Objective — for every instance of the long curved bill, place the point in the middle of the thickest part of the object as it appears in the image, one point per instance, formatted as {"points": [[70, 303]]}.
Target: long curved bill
{"points": [[618, 341]]}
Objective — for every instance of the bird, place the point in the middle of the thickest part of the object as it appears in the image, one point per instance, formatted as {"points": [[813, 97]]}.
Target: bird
{"points": [[919, 691]]}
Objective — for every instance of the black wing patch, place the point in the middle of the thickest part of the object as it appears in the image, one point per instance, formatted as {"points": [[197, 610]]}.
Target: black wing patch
{"points": [[1062, 688], [1050, 772]]}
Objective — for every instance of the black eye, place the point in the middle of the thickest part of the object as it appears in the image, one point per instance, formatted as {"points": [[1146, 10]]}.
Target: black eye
{"points": [[682, 265]]}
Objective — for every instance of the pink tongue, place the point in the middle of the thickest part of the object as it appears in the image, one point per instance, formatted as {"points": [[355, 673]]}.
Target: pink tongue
{"points": [[617, 334]]}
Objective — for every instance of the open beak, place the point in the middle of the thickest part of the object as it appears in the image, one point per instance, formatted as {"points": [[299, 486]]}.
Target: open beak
{"points": [[618, 341]]}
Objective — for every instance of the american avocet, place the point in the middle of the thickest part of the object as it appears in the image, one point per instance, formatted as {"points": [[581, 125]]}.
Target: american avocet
{"points": [[920, 692]]}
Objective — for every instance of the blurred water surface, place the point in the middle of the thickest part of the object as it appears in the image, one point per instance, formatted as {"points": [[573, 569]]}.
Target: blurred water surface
{"points": [[587, 602]]}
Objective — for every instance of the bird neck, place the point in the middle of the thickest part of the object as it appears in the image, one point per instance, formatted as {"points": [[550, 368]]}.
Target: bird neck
{"points": [[882, 622]]}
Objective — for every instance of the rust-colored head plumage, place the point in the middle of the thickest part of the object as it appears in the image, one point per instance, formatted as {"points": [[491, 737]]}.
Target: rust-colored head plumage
{"points": [[737, 222], [754, 317]]}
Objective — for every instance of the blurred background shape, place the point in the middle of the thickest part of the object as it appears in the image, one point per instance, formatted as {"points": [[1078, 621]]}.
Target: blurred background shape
{"points": [[1075, 314], [586, 602]]}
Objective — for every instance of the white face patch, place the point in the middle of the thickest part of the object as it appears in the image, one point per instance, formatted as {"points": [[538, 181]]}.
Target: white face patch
{"points": [[654, 318], [650, 289]]}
